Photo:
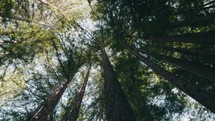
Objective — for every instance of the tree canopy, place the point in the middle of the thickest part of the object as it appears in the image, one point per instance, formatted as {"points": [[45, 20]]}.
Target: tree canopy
{"points": [[107, 60]]}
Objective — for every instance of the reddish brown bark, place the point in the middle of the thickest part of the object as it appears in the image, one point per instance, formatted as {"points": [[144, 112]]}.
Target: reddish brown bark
{"points": [[72, 113], [198, 69], [117, 106], [44, 112], [201, 38], [199, 95]]}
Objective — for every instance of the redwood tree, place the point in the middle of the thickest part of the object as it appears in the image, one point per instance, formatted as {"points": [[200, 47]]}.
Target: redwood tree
{"points": [[199, 95], [117, 106], [73, 111]]}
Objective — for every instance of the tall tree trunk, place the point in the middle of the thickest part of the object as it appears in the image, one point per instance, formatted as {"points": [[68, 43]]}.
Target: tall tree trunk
{"points": [[117, 106], [72, 113], [194, 52], [23, 19], [196, 9], [101, 114], [200, 70], [45, 111], [203, 56], [200, 21], [17, 18], [141, 103], [200, 38], [136, 98], [145, 110], [199, 95]]}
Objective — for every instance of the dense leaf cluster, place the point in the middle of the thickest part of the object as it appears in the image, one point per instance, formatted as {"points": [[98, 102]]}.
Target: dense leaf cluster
{"points": [[132, 60]]}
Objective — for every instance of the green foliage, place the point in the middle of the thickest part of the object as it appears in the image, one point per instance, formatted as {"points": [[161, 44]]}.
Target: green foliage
{"points": [[50, 41], [6, 6]]}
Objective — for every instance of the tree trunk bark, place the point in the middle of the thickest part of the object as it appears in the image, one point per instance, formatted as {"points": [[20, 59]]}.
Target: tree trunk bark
{"points": [[200, 38], [200, 21], [117, 106], [141, 103], [101, 115], [199, 95], [44, 112], [19, 18], [206, 56], [197, 69], [72, 113], [194, 52], [203, 56]]}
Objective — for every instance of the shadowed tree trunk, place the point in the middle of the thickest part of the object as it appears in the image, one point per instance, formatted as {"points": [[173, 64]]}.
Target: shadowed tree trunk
{"points": [[101, 114], [200, 38], [145, 110], [199, 95], [198, 69], [17, 18], [204, 56], [44, 111], [117, 106], [194, 52], [72, 113], [198, 9], [23, 19], [140, 101], [200, 21]]}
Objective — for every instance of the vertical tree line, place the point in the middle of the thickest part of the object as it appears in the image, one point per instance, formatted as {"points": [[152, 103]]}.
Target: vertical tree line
{"points": [[140, 41]]}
